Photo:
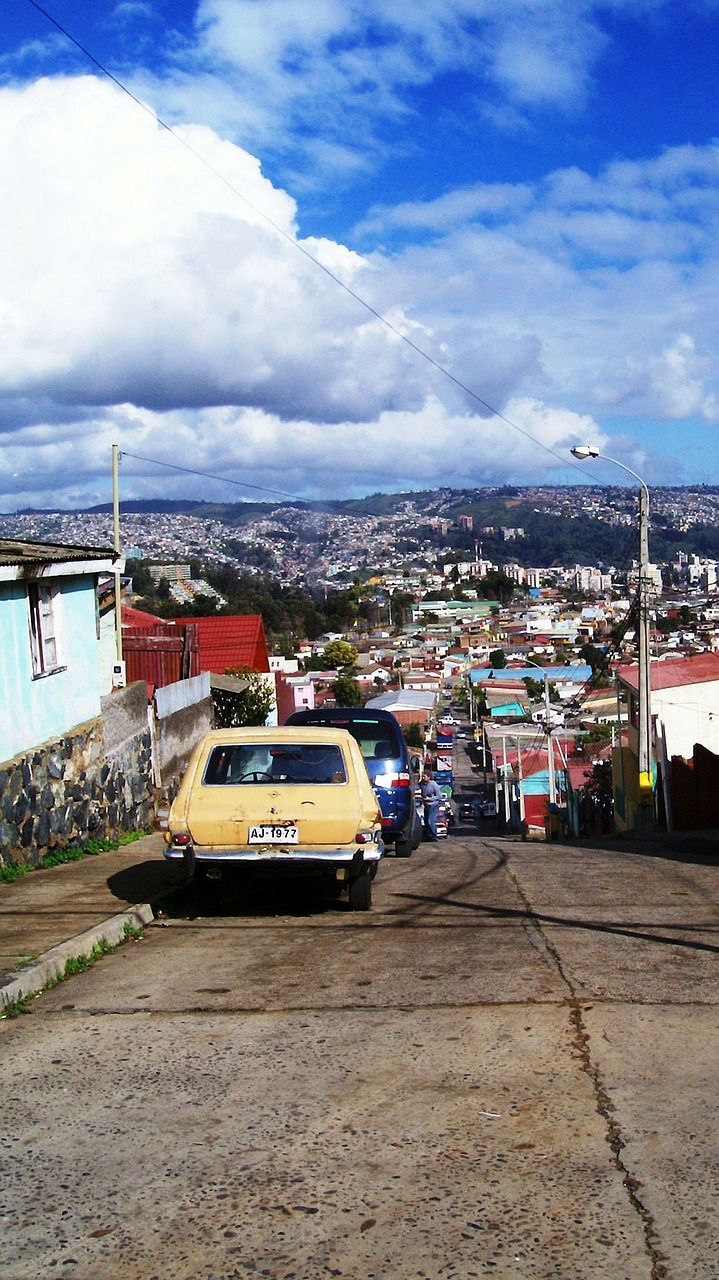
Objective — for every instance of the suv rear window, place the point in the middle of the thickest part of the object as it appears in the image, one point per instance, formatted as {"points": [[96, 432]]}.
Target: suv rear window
{"points": [[273, 762], [377, 741]]}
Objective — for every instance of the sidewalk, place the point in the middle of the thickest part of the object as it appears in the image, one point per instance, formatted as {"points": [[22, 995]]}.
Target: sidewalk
{"points": [[48, 917]]}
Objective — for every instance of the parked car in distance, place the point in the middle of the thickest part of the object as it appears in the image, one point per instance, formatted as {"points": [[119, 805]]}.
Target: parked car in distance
{"points": [[392, 770], [469, 810], [282, 802]]}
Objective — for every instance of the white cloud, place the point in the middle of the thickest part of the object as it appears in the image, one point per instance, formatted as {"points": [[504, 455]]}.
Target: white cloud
{"points": [[147, 302], [333, 81], [255, 455], [133, 272]]}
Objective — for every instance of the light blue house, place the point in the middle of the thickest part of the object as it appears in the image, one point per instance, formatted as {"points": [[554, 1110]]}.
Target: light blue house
{"points": [[51, 670]]}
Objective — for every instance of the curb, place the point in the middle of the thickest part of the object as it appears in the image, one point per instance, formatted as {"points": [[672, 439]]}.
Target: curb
{"points": [[50, 966]]}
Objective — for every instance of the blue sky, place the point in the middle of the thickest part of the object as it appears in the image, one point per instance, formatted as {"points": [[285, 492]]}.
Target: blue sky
{"points": [[527, 191]]}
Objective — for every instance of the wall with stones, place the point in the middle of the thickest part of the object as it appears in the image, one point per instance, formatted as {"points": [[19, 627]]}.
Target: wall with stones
{"points": [[94, 782]]}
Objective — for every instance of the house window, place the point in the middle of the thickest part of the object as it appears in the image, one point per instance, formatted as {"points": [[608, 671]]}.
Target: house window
{"points": [[44, 602]]}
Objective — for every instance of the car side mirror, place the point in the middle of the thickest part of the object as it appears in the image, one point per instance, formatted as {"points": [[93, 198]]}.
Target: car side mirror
{"points": [[415, 763]]}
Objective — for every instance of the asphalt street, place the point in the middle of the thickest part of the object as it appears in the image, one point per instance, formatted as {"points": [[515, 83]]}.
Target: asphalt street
{"points": [[506, 1068]]}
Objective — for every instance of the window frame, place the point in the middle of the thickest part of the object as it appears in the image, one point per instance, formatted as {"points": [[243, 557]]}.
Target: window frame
{"points": [[45, 623]]}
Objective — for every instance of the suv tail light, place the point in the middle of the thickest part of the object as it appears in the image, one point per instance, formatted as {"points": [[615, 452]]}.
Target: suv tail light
{"points": [[393, 780]]}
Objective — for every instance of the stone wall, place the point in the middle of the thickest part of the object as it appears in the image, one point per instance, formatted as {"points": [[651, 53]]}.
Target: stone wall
{"points": [[103, 778], [94, 782]]}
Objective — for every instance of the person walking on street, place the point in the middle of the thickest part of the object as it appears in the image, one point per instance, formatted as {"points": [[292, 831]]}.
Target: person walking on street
{"points": [[431, 796]]}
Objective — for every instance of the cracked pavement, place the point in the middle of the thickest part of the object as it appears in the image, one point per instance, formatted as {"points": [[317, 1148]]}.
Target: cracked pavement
{"points": [[506, 1068]]}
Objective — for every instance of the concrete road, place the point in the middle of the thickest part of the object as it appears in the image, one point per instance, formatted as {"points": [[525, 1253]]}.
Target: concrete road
{"points": [[507, 1068]]}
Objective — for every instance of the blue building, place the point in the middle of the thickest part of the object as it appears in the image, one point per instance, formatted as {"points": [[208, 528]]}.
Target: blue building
{"points": [[51, 665]]}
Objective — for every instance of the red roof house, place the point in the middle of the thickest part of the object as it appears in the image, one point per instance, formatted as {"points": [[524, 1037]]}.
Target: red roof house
{"points": [[229, 641], [139, 618]]}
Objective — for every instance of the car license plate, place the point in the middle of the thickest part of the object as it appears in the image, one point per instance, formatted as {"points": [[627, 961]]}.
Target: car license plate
{"points": [[267, 833]]}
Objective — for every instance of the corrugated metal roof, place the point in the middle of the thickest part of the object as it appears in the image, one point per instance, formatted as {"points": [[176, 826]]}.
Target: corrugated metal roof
{"points": [[14, 551], [674, 673], [403, 700], [18, 552], [229, 641], [138, 617], [578, 674]]}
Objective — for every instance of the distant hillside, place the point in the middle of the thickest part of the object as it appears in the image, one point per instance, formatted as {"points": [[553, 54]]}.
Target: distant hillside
{"points": [[554, 530]]}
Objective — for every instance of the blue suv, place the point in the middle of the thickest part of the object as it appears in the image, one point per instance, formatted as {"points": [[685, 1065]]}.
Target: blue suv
{"points": [[392, 772]]}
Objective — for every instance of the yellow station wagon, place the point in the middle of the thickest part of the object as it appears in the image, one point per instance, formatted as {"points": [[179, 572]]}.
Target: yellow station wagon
{"points": [[282, 802]]}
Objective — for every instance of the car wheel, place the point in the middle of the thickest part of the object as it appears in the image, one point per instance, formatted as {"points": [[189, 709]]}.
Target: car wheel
{"points": [[402, 846], [360, 893]]}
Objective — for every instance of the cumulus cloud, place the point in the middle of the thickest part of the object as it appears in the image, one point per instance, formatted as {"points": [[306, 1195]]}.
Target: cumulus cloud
{"points": [[133, 272], [255, 455], [148, 302]]}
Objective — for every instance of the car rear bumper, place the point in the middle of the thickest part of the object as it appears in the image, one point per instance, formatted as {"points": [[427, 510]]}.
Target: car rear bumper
{"points": [[320, 860]]}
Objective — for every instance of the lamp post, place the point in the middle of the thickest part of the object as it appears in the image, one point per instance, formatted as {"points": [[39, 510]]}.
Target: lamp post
{"points": [[584, 451]]}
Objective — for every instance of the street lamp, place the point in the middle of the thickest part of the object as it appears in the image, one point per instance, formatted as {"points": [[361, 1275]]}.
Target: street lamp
{"points": [[582, 452]]}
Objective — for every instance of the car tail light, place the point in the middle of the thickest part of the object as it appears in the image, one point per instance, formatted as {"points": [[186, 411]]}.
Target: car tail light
{"points": [[365, 837], [181, 838]]}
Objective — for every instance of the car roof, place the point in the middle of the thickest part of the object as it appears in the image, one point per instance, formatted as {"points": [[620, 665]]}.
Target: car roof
{"points": [[277, 734], [372, 715]]}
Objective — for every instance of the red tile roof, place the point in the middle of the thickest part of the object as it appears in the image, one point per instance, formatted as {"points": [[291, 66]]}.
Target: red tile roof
{"points": [[229, 641], [675, 672], [137, 617]]}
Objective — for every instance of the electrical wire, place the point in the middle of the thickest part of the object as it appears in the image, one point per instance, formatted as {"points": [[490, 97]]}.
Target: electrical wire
{"points": [[305, 252], [190, 471]]}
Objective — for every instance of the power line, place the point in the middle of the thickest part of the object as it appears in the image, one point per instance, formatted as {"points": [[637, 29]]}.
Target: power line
{"points": [[305, 252], [243, 484]]}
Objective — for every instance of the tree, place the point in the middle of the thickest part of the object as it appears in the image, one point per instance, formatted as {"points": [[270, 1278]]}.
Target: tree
{"points": [[600, 733], [600, 792], [598, 661], [497, 658], [340, 654], [535, 688], [250, 707], [401, 607], [413, 735], [347, 692]]}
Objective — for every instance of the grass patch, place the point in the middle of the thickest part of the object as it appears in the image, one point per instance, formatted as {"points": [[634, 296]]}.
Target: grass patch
{"points": [[73, 965], [71, 853], [79, 964]]}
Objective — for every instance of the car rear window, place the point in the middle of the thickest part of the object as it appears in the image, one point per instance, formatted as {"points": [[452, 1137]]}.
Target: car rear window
{"points": [[254, 763], [376, 741]]}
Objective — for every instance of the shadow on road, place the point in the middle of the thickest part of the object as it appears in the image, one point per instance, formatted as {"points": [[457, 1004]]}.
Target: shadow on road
{"points": [[640, 931], [146, 881]]}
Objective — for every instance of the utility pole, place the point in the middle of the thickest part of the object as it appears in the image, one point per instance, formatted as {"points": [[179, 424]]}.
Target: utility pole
{"points": [[520, 779], [646, 780], [116, 544]]}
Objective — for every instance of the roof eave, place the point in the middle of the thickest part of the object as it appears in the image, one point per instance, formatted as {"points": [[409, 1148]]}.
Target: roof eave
{"points": [[32, 570]]}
